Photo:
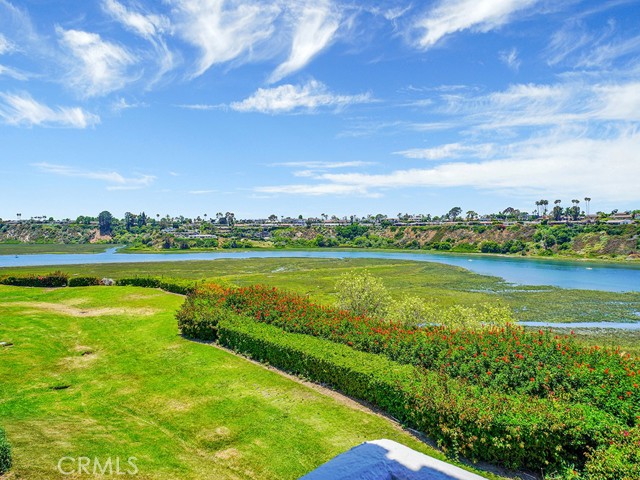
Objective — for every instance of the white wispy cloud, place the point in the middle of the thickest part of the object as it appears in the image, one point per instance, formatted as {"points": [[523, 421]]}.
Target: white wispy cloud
{"points": [[221, 30], [563, 43], [449, 151], [294, 98], [148, 26], [577, 102], [122, 104], [322, 165], [317, 168], [605, 54], [510, 59], [567, 165], [13, 73], [201, 106], [316, 190], [201, 192], [98, 66], [5, 45], [114, 180], [448, 17], [22, 110], [316, 25]]}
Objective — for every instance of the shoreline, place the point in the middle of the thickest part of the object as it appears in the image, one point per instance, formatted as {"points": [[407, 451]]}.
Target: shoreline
{"points": [[125, 250]]}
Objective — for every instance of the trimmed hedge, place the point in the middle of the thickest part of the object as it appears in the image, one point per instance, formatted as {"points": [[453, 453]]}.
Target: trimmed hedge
{"points": [[505, 359], [182, 287], [514, 430], [84, 282], [50, 280], [5, 453]]}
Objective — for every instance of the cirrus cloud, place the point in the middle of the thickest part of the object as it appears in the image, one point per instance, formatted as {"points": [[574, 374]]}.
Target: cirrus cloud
{"points": [[295, 98], [449, 17], [114, 180], [22, 110], [99, 67]]}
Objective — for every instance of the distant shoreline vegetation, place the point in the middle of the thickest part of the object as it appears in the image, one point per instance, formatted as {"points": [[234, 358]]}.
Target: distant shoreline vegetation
{"points": [[612, 236]]}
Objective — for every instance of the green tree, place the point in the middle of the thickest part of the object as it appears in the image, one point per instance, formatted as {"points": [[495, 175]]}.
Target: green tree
{"points": [[105, 222], [363, 294], [454, 213]]}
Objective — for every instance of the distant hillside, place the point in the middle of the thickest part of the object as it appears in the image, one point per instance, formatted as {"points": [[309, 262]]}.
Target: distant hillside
{"points": [[584, 240], [579, 240]]}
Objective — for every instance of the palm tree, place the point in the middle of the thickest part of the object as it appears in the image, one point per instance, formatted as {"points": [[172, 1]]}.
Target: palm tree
{"points": [[576, 209], [538, 203], [587, 200], [544, 203]]}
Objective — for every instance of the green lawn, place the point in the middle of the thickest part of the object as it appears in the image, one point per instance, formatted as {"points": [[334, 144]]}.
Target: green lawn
{"points": [[102, 372], [32, 248]]}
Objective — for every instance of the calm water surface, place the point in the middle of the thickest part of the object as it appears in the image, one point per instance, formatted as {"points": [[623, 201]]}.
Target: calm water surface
{"points": [[524, 271]]}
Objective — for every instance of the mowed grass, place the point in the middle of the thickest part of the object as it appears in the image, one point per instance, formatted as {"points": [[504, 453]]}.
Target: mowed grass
{"points": [[102, 372], [43, 248]]}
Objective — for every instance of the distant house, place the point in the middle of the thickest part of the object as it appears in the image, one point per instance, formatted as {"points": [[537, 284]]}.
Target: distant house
{"points": [[624, 218]]}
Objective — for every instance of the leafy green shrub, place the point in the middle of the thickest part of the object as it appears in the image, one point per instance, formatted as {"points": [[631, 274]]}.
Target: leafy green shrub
{"points": [[412, 312], [515, 430], [199, 315], [182, 287], [50, 280], [5, 453], [84, 281], [620, 460], [362, 294], [489, 246]]}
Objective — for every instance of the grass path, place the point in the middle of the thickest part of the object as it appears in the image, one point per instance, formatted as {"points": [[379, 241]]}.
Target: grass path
{"points": [[85, 380]]}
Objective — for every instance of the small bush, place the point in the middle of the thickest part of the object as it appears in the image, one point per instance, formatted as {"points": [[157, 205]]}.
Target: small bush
{"points": [[5, 453], [199, 316], [84, 281], [363, 294]]}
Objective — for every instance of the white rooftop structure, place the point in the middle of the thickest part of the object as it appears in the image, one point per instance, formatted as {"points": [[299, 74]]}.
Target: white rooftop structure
{"points": [[387, 460]]}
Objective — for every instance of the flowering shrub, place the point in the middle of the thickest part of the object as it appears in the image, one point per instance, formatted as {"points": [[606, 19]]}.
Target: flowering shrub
{"points": [[504, 359], [514, 430], [620, 460]]}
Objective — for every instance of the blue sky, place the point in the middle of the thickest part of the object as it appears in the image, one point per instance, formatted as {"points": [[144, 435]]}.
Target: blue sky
{"points": [[308, 107]]}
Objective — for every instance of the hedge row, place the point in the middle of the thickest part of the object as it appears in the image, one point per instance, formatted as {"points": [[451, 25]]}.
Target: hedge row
{"points": [[60, 279], [182, 287], [5, 453], [84, 282], [510, 429], [506, 359], [50, 280]]}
